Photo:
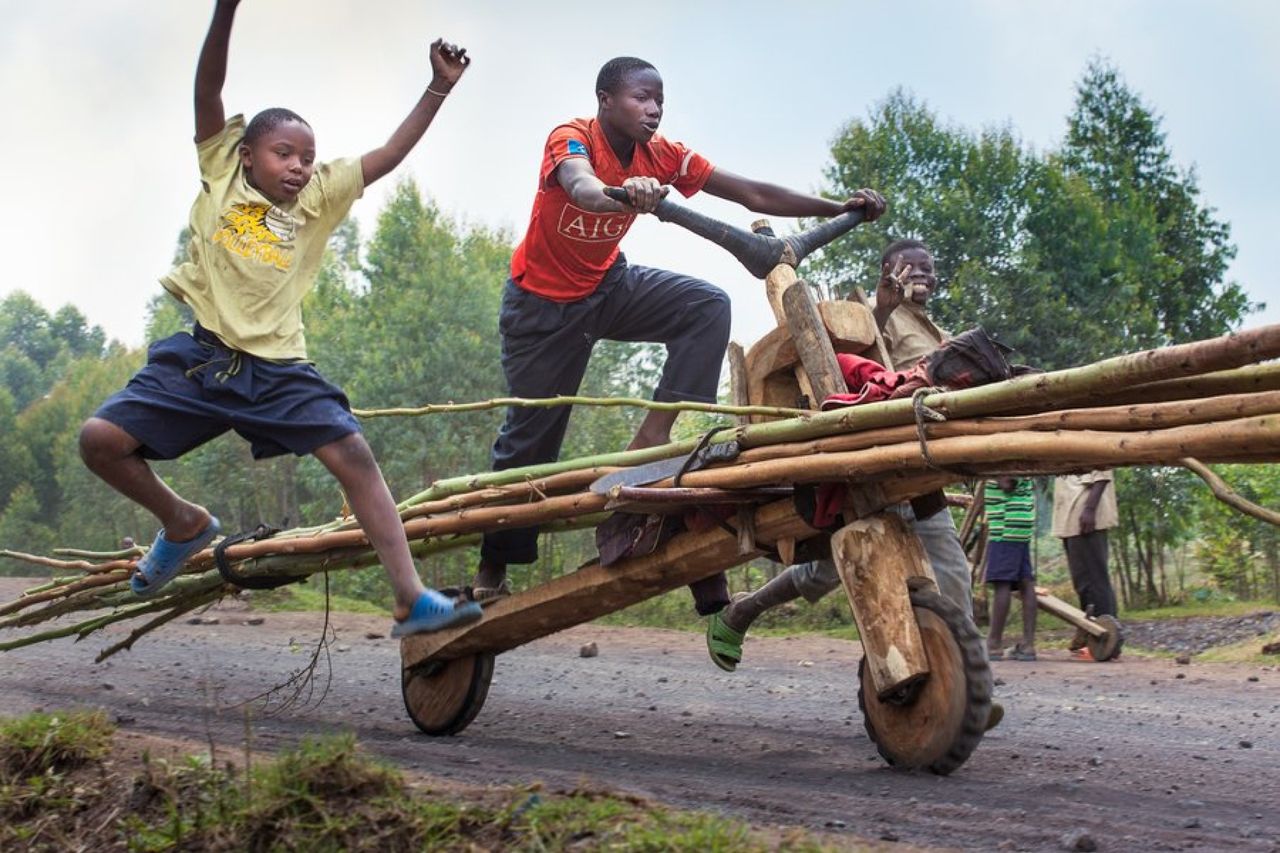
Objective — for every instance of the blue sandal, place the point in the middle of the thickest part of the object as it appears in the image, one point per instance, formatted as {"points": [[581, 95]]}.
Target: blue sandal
{"points": [[166, 558], [435, 612]]}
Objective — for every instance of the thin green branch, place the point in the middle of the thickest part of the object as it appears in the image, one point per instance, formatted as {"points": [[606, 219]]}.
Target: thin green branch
{"points": [[1229, 496], [608, 402]]}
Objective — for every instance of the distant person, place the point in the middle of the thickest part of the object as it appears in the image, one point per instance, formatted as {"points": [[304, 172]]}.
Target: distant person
{"points": [[907, 280], [1010, 505], [570, 286], [259, 228], [126, 543], [1084, 509]]}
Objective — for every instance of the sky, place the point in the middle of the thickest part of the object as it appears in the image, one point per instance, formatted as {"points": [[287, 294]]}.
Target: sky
{"points": [[100, 171]]}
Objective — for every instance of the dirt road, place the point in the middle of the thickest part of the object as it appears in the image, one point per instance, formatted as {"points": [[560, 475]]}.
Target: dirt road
{"points": [[1137, 754]]}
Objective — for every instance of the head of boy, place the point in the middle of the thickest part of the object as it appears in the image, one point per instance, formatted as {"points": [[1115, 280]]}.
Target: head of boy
{"points": [[629, 97], [278, 153], [920, 282]]}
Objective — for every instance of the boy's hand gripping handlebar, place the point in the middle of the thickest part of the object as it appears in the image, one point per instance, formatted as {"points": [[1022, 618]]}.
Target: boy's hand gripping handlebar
{"points": [[760, 252]]}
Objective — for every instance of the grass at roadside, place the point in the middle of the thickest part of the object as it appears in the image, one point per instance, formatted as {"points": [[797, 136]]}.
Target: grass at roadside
{"points": [[310, 597], [60, 785], [1246, 651], [1206, 608]]}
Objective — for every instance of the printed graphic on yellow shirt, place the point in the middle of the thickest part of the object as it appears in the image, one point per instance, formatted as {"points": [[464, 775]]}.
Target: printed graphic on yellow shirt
{"points": [[256, 232]]}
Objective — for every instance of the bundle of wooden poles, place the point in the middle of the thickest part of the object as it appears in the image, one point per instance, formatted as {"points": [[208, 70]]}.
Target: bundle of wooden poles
{"points": [[1213, 401]]}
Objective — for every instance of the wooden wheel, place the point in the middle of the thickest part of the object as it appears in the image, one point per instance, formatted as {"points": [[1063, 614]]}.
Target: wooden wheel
{"points": [[443, 697], [939, 722], [1108, 645]]}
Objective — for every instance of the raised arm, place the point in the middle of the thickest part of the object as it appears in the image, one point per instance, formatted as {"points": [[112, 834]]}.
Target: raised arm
{"points": [[773, 200], [448, 62], [211, 71], [890, 290], [586, 190]]}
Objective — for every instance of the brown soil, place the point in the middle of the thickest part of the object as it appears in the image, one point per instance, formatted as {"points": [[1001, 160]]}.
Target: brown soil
{"points": [[1135, 754]]}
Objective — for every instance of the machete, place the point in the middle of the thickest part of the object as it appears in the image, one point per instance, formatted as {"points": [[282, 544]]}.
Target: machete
{"points": [[642, 475]]}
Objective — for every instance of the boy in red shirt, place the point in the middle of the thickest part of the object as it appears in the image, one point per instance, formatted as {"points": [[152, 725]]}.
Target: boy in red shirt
{"points": [[570, 286]]}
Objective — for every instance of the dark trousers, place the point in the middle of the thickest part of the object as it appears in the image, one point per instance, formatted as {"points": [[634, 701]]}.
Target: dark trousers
{"points": [[546, 346], [1087, 562]]}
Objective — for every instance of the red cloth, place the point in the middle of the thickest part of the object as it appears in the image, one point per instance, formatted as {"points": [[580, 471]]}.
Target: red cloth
{"points": [[873, 382], [828, 504], [567, 250]]}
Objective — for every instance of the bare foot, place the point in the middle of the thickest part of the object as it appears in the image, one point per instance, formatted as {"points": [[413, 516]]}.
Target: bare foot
{"points": [[189, 522]]}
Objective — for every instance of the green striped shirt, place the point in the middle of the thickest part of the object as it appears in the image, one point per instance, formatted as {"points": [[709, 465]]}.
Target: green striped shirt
{"points": [[1011, 516]]}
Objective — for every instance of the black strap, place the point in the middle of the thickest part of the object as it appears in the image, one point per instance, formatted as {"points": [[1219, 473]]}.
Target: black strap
{"points": [[924, 414], [262, 531], [703, 453]]}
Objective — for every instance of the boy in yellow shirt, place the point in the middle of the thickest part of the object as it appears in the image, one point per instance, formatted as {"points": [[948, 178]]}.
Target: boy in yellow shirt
{"points": [[258, 232]]}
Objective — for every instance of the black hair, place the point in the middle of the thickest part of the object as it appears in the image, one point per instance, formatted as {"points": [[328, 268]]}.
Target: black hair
{"points": [[267, 121], [613, 72], [900, 246]]}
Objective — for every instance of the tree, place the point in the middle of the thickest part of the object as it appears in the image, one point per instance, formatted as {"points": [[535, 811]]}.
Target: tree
{"points": [[1241, 553], [1116, 143], [23, 527], [36, 349], [1075, 254]]}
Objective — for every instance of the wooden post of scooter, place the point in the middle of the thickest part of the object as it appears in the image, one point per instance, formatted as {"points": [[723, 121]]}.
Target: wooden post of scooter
{"points": [[794, 307], [878, 558], [812, 344]]}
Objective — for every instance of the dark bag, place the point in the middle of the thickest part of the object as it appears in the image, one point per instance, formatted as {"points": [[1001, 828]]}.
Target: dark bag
{"points": [[631, 534], [969, 359]]}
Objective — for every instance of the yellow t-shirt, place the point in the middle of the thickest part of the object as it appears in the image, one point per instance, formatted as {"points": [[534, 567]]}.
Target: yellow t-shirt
{"points": [[253, 261]]}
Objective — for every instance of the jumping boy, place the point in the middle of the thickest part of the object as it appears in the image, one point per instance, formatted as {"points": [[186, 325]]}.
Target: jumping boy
{"points": [[907, 280], [570, 286], [258, 233]]}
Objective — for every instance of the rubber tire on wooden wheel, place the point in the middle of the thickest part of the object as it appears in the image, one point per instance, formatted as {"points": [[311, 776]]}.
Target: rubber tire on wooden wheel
{"points": [[443, 697], [1106, 647], [941, 726]]}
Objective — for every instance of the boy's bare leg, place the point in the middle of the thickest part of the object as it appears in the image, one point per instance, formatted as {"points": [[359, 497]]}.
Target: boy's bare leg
{"points": [[654, 430], [1002, 595], [1028, 615], [743, 611], [490, 575], [112, 454], [351, 461]]}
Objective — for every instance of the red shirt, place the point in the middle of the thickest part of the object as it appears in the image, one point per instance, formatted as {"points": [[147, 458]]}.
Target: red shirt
{"points": [[567, 250]]}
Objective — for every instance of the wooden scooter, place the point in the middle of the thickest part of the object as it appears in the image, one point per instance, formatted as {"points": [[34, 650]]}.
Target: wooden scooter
{"points": [[925, 684]]}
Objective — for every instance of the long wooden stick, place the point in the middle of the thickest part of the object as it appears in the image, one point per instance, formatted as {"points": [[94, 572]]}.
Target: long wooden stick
{"points": [[832, 446], [1261, 435], [1036, 391]]}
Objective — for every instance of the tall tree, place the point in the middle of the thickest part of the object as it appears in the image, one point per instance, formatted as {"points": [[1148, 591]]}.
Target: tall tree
{"points": [[1116, 142]]}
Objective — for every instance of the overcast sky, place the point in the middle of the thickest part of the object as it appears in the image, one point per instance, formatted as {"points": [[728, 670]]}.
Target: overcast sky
{"points": [[100, 171]]}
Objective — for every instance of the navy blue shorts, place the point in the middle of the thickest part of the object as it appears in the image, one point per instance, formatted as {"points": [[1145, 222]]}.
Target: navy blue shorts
{"points": [[194, 388], [1009, 562]]}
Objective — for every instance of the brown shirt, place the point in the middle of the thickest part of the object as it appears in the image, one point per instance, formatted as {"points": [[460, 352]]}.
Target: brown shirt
{"points": [[910, 334]]}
